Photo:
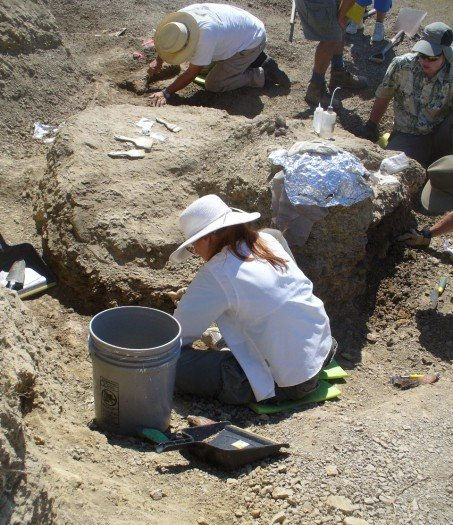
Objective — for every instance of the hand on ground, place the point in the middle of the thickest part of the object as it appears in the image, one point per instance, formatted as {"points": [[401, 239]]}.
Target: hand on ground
{"points": [[157, 99], [413, 238]]}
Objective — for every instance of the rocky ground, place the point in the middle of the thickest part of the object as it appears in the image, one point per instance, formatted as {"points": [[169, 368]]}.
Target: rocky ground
{"points": [[379, 455]]}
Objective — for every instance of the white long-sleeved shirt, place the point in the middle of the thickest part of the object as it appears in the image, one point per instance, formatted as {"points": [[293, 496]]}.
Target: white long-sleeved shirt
{"points": [[271, 321]]}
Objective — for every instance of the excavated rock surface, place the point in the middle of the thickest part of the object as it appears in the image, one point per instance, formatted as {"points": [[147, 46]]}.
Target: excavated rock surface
{"points": [[24, 494], [109, 225], [39, 79]]}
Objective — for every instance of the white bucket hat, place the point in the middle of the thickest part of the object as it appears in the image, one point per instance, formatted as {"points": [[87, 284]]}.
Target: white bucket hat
{"points": [[176, 37], [206, 215]]}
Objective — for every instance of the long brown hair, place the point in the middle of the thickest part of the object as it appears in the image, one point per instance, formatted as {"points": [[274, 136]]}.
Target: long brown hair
{"points": [[233, 236]]}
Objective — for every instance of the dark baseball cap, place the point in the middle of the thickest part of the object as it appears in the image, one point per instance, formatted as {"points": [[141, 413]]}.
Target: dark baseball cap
{"points": [[437, 195], [436, 38]]}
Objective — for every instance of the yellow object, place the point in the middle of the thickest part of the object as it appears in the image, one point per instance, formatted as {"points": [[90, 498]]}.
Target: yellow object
{"points": [[355, 13], [384, 140]]}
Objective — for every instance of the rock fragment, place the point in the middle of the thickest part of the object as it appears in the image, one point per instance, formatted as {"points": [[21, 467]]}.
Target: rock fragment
{"points": [[350, 520], [280, 517], [331, 470], [281, 493], [341, 503]]}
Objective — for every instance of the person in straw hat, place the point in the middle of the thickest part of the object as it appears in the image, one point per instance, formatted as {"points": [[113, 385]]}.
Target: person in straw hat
{"points": [[421, 84], [276, 330], [436, 198], [228, 37]]}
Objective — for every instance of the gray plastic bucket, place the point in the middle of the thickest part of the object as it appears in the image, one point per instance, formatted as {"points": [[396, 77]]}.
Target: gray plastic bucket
{"points": [[134, 351]]}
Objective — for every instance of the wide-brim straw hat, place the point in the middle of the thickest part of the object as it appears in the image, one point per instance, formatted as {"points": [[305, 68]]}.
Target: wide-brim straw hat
{"points": [[176, 37], [437, 195], [206, 215]]}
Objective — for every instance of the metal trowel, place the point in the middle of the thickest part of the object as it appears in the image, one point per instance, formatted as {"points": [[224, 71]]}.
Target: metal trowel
{"points": [[437, 292], [407, 23], [16, 276]]}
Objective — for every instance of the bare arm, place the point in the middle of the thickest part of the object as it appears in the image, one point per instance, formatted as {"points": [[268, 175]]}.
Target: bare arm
{"points": [[184, 79], [180, 82], [343, 10], [379, 108], [444, 225]]}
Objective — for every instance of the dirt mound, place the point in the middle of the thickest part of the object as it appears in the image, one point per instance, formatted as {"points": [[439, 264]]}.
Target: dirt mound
{"points": [[109, 225], [23, 493], [39, 79]]}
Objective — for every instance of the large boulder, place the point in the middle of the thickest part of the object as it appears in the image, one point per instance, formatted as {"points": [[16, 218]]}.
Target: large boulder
{"points": [[109, 225]]}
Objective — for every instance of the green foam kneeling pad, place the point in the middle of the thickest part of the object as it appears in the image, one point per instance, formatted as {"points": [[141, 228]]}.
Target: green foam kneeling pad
{"points": [[200, 81], [323, 392], [333, 371]]}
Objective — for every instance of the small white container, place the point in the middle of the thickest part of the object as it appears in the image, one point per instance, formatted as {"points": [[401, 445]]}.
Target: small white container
{"points": [[317, 118]]}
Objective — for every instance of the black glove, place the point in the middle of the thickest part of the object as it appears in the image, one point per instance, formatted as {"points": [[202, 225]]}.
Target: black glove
{"points": [[369, 131]]}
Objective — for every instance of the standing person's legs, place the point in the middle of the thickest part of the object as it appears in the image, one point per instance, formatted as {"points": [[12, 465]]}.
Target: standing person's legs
{"points": [[443, 139], [319, 20], [320, 24], [234, 72], [382, 7], [417, 147]]}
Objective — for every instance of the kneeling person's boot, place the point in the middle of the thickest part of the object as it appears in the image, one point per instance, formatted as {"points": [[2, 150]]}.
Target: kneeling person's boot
{"points": [[273, 74], [345, 79]]}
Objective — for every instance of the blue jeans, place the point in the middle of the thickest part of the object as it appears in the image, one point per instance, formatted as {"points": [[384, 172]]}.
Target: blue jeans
{"points": [[380, 5]]}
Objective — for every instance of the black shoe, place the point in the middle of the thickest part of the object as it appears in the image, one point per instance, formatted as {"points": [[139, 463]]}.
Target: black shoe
{"points": [[273, 74], [259, 61]]}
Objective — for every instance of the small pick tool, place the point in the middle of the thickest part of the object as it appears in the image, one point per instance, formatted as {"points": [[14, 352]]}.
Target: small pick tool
{"points": [[437, 292]]}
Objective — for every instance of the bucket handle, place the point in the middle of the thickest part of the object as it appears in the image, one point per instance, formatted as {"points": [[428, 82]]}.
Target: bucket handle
{"points": [[176, 444]]}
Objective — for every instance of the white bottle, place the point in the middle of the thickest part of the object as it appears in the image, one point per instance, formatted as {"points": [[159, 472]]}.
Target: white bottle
{"points": [[328, 120], [317, 118]]}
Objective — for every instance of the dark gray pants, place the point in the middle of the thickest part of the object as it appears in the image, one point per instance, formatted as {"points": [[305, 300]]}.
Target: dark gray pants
{"points": [[216, 374], [425, 148]]}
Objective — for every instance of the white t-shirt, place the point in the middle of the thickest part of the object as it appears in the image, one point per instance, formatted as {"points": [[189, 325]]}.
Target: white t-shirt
{"points": [[224, 31], [271, 321]]}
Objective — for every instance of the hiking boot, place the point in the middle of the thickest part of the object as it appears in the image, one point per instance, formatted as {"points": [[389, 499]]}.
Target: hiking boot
{"points": [[273, 74], [378, 34], [318, 94], [352, 27], [347, 80]]}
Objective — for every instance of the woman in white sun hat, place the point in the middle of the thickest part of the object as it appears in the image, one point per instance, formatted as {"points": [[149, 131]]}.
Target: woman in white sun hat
{"points": [[277, 331]]}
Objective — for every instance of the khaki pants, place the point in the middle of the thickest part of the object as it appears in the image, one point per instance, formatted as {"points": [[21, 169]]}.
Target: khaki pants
{"points": [[232, 73]]}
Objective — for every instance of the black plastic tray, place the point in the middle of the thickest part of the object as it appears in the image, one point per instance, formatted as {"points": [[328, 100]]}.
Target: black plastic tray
{"points": [[11, 254], [215, 444]]}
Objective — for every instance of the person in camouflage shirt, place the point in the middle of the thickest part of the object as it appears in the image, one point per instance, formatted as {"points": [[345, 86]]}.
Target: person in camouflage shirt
{"points": [[421, 85]]}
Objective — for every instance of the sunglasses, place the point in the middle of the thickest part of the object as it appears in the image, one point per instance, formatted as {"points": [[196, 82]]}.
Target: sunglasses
{"points": [[422, 56]]}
